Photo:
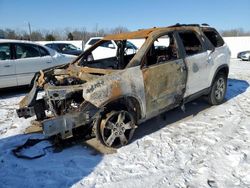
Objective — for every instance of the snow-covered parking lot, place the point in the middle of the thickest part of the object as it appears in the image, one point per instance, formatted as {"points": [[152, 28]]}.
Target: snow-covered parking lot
{"points": [[203, 147]]}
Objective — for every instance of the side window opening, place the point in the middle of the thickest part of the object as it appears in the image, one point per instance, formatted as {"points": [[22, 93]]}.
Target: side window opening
{"points": [[191, 43], [26, 51], [43, 52], [108, 44], [93, 41], [214, 38], [162, 50], [130, 45], [48, 45], [5, 52]]}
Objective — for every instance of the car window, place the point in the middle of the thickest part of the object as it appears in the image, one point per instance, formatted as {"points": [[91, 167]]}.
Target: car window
{"points": [[56, 47], [130, 45], [26, 51], [66, 47], [214, 38], [5, 52], [162, 50], [107, 44], [93, 41], [72, 47], [191, 42], [49, 45], [43, 51]]}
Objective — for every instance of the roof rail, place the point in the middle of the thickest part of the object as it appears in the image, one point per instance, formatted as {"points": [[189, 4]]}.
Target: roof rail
{"points": [[194, 25], [205, 24]]}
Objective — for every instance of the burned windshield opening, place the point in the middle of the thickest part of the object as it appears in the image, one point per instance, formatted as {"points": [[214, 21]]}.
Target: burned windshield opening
{"points": [[109, 54]]}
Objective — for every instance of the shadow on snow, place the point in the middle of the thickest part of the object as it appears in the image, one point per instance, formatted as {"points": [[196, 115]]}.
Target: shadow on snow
{"points": [[74, 163], [235, 87], [62, 169]]}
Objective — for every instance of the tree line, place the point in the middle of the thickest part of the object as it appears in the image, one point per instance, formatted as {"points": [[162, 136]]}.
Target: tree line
{"points": [[234, 33], [84, 34], [63, 34]]}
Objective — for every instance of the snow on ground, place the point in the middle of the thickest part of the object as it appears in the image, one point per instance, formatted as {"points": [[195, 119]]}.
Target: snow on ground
{"points": [[203, 147]]}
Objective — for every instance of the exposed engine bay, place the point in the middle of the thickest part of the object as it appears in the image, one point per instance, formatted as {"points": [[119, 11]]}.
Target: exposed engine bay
{"points": [[63, 101]]}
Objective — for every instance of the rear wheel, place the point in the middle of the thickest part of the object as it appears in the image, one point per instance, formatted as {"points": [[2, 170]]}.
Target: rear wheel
{"points": [[218, 90], [115, 129]]}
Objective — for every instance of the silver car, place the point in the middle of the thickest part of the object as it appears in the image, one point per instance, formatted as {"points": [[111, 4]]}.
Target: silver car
{"points": [[20, 60], [245, 55]]}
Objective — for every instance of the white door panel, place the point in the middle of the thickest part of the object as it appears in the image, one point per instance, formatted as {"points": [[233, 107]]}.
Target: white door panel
{"points": [[220, 56], [7, 73], [199, 67], [27, 67]]}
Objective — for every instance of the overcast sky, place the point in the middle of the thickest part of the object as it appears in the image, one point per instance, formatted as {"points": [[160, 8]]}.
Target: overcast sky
{"points": [[133, 14]]}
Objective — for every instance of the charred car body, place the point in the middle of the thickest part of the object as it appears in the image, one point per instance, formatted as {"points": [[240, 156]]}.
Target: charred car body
{"points": [[111, 96]]}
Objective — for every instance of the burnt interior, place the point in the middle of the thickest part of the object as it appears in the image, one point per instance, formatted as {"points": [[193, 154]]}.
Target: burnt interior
{"points": [[67, 105], [70, 80]]}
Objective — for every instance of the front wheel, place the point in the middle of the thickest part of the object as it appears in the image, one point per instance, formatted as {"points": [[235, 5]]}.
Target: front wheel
{"points": [[115, 129], [218, 90]]}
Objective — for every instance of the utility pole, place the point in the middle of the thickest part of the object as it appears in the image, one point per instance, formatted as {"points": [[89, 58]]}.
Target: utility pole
{"points": [[29, 29], [96, 29]]}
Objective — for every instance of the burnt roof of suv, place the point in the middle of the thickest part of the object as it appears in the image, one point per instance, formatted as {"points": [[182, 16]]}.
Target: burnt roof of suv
{"points": [[144, 33]]}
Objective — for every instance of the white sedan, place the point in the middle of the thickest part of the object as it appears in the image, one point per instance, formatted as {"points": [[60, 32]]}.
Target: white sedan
{"points": [[20, 60]]}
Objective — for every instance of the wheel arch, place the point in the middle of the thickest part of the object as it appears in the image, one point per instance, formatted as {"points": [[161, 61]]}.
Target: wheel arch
{"points": [[129, 103], [221, 69]]}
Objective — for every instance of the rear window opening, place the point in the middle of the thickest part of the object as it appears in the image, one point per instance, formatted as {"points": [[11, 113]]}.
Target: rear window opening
{"points": [[214, 38]]}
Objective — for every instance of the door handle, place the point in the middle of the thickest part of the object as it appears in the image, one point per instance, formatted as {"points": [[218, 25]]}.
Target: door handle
{"points": [[7, 65], [49, 62]]}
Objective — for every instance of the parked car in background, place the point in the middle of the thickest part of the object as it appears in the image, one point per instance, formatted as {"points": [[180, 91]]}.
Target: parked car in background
{"points": [[65, 48], [20, 60], [91, 41], [245, 55], [108, 49]]}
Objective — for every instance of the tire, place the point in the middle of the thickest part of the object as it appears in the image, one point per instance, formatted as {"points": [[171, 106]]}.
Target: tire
{"points": [[115, 129], [218, 89]]}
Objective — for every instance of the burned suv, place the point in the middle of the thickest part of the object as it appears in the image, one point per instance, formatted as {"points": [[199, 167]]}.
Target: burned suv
{"points": [[110, 97]]}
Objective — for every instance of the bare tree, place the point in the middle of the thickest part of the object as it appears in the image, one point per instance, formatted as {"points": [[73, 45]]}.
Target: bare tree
{"points": [[70, 36], [50, 37], [61, 34], [235, 32], [36, 36], [119, 29], [1, 34], [10, 34]]}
